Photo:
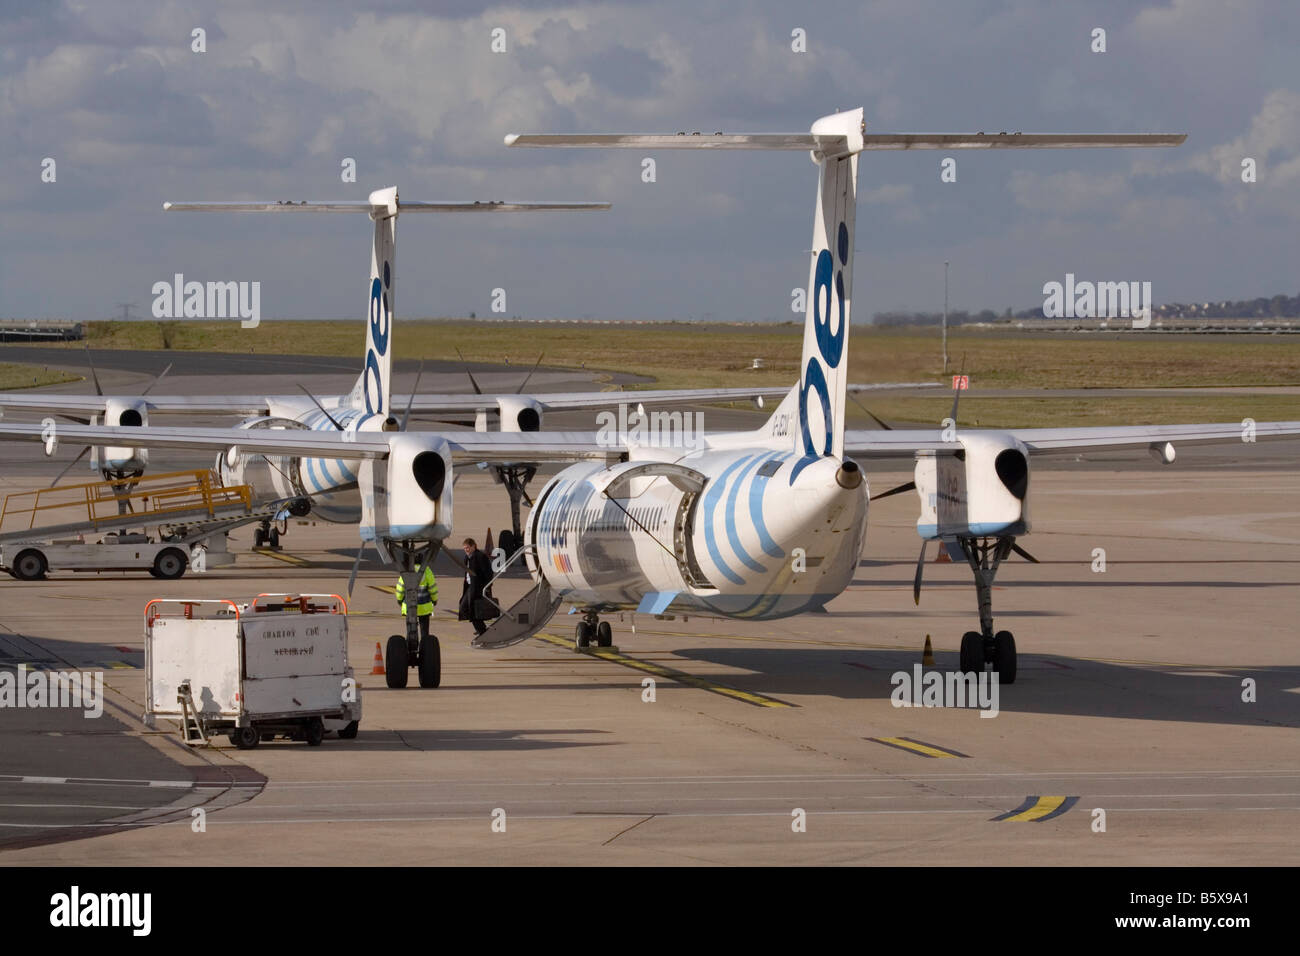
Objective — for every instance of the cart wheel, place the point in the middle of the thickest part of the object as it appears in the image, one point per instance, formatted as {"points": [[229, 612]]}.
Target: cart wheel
{"points": [[273, 539], [169, 564], [30, 565], [246, 738], [430, 662], [314, 732], [397, 662], [350, 731]]}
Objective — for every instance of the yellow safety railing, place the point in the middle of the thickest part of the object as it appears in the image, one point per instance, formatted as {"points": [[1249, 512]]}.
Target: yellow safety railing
{"points": [[144, 500]]}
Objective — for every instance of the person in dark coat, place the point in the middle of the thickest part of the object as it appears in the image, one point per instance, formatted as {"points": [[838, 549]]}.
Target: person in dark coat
{"points": [[478, 572]]}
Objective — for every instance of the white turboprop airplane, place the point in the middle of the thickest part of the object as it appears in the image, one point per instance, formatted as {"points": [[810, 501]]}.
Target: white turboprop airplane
{"points": [[755, 525]]}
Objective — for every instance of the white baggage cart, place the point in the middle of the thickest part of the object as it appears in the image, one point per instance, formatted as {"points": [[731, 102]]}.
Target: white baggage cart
{"points": [[278, 665]]}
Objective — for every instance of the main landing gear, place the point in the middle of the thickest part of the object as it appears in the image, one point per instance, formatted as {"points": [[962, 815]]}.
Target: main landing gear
{"points": [[985, 556], [592, 630], [516, 479]]}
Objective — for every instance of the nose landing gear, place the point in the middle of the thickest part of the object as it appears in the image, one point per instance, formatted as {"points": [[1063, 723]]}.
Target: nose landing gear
{"points": [[985, 556]]}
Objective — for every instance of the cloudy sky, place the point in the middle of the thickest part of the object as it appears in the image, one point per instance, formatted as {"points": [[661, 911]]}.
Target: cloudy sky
{"points": [[113, 92]]}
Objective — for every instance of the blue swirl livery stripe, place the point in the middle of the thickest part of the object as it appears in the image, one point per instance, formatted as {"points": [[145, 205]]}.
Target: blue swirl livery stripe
{"points": [[710, 504], [756, 489], [730, 516]]}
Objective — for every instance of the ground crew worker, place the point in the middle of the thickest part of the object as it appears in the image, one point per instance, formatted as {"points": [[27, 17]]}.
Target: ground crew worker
{"points": [[425, 598]]}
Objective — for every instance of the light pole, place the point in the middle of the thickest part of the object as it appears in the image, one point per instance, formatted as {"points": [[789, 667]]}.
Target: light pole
{"points": [[945, 316]]}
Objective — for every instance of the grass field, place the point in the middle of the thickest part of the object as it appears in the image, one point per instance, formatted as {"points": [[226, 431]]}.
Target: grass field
{"points": [[679, 355], [30, 376]]}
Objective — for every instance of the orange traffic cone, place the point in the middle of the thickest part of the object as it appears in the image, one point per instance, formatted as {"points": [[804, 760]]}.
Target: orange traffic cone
{"points": [[379, 661], [927, 655], [943, 557]]}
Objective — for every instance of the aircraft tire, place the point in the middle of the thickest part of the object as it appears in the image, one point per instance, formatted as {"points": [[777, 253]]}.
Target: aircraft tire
{"points": [[396, 663], [1004, 657], [972, 652]]}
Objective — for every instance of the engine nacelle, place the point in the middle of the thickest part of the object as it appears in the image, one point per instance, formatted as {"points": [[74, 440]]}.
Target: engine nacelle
{"points": [[125, 413], [519, 414], [982, 489], [269, 476], [408, 497]]}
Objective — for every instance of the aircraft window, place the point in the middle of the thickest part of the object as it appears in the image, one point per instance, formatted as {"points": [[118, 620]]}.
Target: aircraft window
{"points": [[769, 468]]}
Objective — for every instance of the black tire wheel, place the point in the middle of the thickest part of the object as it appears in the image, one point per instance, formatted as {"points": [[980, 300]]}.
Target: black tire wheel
{"points": [[582, 634], [430, 662], [350, 731], [314, 732], [604, 634], [30, 565], [259, 537], [1004, 657], [972, 652], [246, 738], [273, 539], [508, 543], [396, 662], [169, 564]]}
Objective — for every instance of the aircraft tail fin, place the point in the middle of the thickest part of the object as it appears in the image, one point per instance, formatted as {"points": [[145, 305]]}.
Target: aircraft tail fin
{"points": [[823, 374], [373, 387]]}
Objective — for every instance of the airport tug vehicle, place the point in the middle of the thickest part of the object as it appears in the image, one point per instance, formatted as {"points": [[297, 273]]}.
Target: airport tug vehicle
{"points": [[277, 665]]}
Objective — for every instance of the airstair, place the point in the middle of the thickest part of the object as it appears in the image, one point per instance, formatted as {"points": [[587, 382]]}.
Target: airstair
{"points": [[525, 617]]}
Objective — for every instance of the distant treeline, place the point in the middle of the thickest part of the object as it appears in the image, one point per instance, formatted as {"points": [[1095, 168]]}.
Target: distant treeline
{"points": [[1278, 307]]}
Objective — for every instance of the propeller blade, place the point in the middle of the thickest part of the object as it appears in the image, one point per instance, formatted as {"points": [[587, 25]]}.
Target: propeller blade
{"points": [[520, 389], [456, 558], [356, 565], [95, 377], [477, 390], [415, 391], [1023, 553], [870, 412], [333, 420], [910, 486], [920, 567], [80, 455], [156, 380]]}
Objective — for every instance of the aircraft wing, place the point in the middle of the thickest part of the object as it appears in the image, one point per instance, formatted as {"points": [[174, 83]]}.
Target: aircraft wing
{"points": [[571, 401], [58, 404], [427, 404], [903, 443], [466, 446]]}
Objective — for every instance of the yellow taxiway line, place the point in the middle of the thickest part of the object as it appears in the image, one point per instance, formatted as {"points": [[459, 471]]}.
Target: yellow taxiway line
{"points": [[668, 673]]}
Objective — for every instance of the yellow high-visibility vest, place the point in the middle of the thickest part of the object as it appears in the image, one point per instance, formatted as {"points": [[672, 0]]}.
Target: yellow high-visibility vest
{"points": [[425, 598]]}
